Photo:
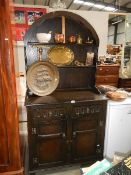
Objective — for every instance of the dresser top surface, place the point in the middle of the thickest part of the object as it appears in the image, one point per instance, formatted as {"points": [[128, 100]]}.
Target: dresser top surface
{"points": [[64, 97]]}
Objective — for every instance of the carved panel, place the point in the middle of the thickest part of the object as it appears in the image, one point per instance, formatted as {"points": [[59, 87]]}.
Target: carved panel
{"points": [[85, 111], [49, 114]]}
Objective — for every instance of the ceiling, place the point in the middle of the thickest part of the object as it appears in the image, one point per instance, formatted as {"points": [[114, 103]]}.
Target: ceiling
{"points": [[119, 5]]}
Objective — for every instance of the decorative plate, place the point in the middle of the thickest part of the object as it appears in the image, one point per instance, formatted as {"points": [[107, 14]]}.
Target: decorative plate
{"points": [[42, 78], [116, 96], [60, 55]]}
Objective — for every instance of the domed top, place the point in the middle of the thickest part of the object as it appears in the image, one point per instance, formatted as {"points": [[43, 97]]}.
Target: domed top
{"points": [[74, 23]]}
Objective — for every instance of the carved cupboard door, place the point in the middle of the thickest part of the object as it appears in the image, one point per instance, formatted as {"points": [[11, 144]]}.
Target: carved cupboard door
{"points": [[86, 132], [47, 136]]}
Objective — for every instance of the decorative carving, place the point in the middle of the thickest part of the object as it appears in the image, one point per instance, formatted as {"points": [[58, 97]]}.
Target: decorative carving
{"points": [[83, 111], [49, 114]]}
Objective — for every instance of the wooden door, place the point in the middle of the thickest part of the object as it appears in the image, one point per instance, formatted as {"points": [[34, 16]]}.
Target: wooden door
{"points": [[47, 134], [86, 137], [10, 162]]}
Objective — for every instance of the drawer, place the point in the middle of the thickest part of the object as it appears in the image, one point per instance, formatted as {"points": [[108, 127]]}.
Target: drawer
{"points": [[107, 79], [84, 111], [106, 70], [56, 113]]}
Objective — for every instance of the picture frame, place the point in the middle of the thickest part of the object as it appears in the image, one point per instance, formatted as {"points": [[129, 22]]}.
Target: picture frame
{"points": [[24, 18]]}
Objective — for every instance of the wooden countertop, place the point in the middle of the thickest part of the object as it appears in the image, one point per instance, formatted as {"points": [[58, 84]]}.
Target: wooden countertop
{"points": [[62, 97]]}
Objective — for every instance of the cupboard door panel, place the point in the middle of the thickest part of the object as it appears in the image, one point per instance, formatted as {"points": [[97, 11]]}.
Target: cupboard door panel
{"points": [[84, 144], [47, 142], [50, 150], [83, 124], [49, 129]]}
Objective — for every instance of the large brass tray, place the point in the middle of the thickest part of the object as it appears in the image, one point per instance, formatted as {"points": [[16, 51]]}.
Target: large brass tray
{"points": [[60, 55], [42, 78]]}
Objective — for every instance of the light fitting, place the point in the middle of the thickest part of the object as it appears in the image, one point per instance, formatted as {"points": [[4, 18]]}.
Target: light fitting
{"points": [[58, 4], [78, 1], [96, 5], [89, 3], [109, 8], [99, 6]]}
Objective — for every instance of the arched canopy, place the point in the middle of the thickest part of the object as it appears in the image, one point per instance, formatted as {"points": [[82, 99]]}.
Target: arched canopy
{"points": [[52, 22]]}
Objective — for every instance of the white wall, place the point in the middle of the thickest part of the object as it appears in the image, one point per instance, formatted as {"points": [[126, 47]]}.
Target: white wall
{"points": [[99, 21]]}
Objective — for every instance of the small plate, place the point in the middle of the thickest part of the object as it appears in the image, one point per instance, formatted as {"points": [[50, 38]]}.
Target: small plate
{"points": [[60, 55], [116, 96]]}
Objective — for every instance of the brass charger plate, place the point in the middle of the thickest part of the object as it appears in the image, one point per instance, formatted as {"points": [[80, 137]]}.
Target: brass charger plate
{"points": [[42, 78], [60, 55]]}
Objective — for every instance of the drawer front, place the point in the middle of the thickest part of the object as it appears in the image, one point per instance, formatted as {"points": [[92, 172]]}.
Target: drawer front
{"points": [[57, 113], [107, 79], [108, 70], [84, 110]]}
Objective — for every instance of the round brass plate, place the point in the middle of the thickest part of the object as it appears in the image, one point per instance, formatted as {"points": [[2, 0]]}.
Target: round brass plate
{"points": [[42, 78], [60, 55]]}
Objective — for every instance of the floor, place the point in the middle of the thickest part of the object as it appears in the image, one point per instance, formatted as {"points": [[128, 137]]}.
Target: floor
{"points": [[65, 171], [69, 170]]}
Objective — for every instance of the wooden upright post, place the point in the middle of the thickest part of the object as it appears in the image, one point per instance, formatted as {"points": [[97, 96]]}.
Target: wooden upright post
{"points": [[10, 163]]}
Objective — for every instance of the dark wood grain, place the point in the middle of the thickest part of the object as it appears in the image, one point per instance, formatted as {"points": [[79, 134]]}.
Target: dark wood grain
{"points": [[62, 132], [67, 126], [10, 162], [64, 97]]}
